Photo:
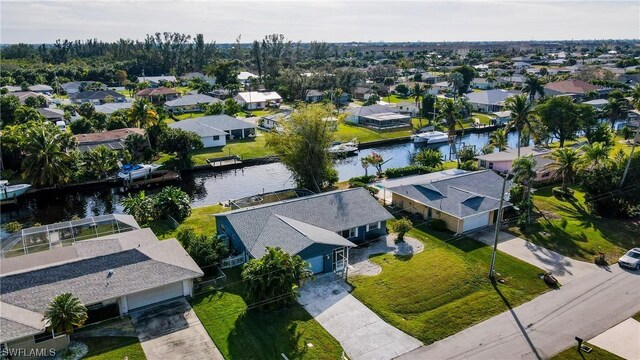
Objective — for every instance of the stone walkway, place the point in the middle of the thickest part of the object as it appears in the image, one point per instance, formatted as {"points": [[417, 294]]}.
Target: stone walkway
{"points": [[359, 263]]}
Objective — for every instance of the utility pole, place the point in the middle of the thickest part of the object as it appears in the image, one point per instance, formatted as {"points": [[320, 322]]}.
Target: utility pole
{"points": [[497, 230], [633, 147]]}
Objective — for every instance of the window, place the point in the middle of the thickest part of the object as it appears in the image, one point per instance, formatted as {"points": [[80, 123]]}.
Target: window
{"points": [[491, 166], [483, 164], [216, 137], [353, 232], [373, 226]]}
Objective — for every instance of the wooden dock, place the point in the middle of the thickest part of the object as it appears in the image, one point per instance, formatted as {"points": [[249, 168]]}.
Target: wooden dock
{"points": [[225, 162], [156, 178]]}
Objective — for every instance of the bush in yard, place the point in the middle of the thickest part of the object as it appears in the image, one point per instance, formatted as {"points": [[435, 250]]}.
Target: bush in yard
{"points": [[273, 279], [205, 250], [12, 227], [372, 190], [517, 193], [140, 206], [365, 179], [173, 202], [469, 165], [438, 225], [407, 170], [401, 226]]}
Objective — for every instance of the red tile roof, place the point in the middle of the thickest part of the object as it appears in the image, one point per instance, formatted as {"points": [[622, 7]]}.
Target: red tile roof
{"points": [[572, 86]]}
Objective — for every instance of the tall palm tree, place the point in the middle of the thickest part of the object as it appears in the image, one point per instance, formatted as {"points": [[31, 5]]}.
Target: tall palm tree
{"points": [[417, 94], [499, 139], [615, 109], [524, 171], [491, 77], [564, 163], [143, 114], [595, 155], [456, 80], [64, 312], [521, 114], [24, 114], [451, 113], [635, 97], [101, 160], [532, 86], [46, 162]]}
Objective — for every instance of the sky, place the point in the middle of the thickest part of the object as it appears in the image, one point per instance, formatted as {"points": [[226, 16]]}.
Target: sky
{"points": [[321, 20]]}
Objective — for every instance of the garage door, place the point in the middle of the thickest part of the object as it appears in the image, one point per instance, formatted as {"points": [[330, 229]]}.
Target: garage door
{"points": [[154, 295], [317, 264], [476, 221]]}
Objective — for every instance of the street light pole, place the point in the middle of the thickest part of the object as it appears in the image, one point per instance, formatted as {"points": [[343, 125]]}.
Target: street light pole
{"points": [[497, 229]]}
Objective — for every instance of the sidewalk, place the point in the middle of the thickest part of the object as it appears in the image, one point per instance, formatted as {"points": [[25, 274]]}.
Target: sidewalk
{"points": [[563, 268]]}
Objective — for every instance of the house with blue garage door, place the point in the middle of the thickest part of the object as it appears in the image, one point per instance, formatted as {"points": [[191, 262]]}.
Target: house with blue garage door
{"points": [[319, 228]]}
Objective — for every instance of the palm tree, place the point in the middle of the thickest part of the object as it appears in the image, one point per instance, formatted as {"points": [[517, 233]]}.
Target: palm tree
{"points": [[491, 77], [101, 160], [456, 80], [521, 114], [450, 112], [24, 114], [45, 163], [635, 97], [364, 162], [532, 86], [64, 312], [417, 93], [615, 110], [524, 172], [499, 139], [564, 164], [143, 114], [595, 155]]}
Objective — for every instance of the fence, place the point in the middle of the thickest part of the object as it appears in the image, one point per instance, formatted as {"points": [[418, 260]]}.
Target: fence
{"points": [[217, 282], [233, 261]]}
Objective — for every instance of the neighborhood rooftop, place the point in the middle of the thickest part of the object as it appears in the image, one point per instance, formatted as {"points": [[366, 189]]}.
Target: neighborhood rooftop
{"points": [[221, 123], [511, 154]]}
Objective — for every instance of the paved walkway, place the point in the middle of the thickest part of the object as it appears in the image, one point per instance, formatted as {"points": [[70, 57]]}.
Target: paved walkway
{"points": [[173, 331], [362, 334], [622, 340], [359, 263], [548, 324], [563, 268]]}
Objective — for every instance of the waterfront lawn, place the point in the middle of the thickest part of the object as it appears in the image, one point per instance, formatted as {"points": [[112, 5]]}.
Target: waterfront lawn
{"points": [[244, 148], [200, 220], [253, 334], [568, 228], [189, 116], [113, 347], [347, 132], [597, 354], [444, 289]]}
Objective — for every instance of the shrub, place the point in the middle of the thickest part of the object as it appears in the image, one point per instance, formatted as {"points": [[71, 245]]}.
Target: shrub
{"points": [[438, 225], [401, 226], [372, 190], [173, 202], [469, 165], [12, 227], [558, 193], [365, 179], [407, 170]]}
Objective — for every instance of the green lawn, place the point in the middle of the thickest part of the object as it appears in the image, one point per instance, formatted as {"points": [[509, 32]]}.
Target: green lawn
{"points": [[636, 316], [113, 348], [445, 289], [189, 116], [571, 230], [264, 112], [200, 221], [347, 132], [397, 99], [484, 118], [253, 334], [597, 354], [245, 149]]}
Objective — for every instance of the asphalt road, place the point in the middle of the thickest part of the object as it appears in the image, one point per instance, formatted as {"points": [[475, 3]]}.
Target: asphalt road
{"points": [[548, 324]]}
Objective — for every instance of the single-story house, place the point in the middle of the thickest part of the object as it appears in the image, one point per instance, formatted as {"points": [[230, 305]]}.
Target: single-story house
{"points": [[482, 84], [24, 95], [113, 139], [273, 98], [501, 117], [96, 97], [515, 80], [489, 100], [41, 89], [430, 78], [274, 121], [189, 103], [313, 96], [441, 87], [251, 100], [361, 92], [111, 275], [319, 228], [215, 130], [110, 108], [52, 115], [211, 80], [502, 161], [245, 76], [597, 104], [408, 108], [75, 86], [464, 202], [156, 81], [520, 65], [157, 95], [378, 117], [570, 87], [11, 88]]}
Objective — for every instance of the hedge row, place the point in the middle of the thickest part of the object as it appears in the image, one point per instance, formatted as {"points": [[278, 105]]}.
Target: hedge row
{"points": [[408, 170]]}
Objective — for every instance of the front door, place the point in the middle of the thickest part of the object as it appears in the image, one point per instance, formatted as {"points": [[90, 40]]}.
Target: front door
{"points": [[339, 259]]}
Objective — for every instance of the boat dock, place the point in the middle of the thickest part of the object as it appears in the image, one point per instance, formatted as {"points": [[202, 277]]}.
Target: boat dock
{"points": [[225, 162], [156, 178]]}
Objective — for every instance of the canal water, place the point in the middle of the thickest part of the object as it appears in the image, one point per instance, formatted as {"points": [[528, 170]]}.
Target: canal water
{"points": [[211, 187]]}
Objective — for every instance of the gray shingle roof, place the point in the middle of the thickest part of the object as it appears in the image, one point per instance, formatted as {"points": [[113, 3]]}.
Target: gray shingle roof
{"points": [[189, 100], [218, 122], [461, 195], [371, 110], [97, 95], [490, 97], [314, 92], [282, 223], [109, 108], [195, 126]]}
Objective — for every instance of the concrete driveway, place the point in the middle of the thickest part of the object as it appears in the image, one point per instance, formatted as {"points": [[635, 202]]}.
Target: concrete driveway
{"points": [[563, 268], [622, 339], [362, 334], [172, 330]]}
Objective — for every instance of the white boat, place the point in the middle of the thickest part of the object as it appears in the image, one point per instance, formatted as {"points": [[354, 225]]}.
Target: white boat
{"points": [[430, 137], [8, 192], [139, 171], [347, 148]]}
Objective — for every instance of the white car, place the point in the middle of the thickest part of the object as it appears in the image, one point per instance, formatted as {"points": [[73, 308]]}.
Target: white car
{"points": [[631, 259]]}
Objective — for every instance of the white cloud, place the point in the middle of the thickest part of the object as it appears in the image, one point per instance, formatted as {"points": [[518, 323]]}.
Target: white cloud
{"points": [[221, 21]]}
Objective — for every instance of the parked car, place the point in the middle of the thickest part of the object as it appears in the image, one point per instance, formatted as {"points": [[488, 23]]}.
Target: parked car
{"points": [[631, 259]]}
